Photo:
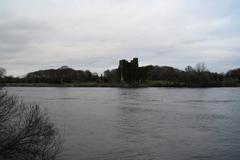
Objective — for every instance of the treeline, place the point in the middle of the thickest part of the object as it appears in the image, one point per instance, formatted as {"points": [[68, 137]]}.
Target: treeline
{"points": [[62, 75], [54, 76], [197, 76]]}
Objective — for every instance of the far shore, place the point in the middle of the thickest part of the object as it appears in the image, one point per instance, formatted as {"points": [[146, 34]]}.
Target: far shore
{"points": [[123, 85]]}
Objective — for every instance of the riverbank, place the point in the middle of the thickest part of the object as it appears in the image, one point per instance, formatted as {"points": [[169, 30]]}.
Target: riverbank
{"points": [[125, 85]]}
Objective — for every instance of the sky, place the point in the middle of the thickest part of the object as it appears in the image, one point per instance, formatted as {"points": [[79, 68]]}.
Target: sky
{"points": [[96, 34]]}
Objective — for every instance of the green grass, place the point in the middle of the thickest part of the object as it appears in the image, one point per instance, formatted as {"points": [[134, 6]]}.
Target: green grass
{"points": [[120, 85], [164, 84], [80, 84]]}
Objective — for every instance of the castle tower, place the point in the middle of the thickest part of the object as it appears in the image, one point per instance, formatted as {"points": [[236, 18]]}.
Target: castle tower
{"points": [[127, 70]]}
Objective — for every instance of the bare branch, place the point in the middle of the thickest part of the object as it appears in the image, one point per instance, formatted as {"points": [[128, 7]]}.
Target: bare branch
{"points": [[26, 133]]}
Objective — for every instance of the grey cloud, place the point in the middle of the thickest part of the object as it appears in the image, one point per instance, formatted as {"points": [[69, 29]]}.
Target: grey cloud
{"points": [[96, 34], [22, 31]]}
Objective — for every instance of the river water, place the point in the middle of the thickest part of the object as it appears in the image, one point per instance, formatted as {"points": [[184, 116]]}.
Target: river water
{"points": [[143, 124]]}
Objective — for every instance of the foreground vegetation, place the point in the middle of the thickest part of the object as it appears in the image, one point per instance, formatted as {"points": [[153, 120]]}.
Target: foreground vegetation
{"points": [[26, 133]]}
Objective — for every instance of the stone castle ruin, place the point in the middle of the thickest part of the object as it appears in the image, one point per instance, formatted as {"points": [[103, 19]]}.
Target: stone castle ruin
{"points": [[128, 71]]}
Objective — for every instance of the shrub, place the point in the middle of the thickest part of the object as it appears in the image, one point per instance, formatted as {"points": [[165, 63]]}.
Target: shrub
{"points": [[26, 133]]}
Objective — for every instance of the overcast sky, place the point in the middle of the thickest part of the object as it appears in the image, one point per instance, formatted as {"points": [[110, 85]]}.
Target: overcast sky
{"points": [[95, 34]]}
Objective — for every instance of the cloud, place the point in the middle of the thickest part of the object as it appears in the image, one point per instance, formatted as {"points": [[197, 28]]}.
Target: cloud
{"points": [[93, 34]]}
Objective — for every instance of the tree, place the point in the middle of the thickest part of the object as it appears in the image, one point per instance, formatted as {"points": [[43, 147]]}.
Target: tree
{"points": [[26, 133], [201, 67], [2, 72], [234, 74], [111, 75], [189, 69]]}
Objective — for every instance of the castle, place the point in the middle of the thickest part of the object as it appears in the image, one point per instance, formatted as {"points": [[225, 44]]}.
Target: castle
{"points": [[128, 71]]}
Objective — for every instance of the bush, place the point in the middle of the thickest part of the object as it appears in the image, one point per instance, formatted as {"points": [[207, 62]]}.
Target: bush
{"points": [[26, 133]]}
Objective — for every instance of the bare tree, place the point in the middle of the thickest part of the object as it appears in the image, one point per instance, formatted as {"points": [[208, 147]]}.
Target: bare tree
{"points": [[26, 133], [201, 67], [2, 72]]}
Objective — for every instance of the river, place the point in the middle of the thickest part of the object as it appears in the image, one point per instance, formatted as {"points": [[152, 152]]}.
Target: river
{"points": [[143, 124]]}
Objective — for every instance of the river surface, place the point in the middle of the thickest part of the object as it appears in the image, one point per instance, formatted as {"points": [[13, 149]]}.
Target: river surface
{"points": [[143, 124]]}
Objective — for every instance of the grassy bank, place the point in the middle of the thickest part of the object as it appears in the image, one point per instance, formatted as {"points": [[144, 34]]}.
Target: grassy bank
{"points": [[124, 85], [87, 84]]}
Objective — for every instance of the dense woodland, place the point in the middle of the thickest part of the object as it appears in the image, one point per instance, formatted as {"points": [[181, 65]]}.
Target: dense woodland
{"points": [[197, 76]]}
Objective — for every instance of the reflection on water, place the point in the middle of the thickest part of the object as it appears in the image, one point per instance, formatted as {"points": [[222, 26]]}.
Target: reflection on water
{"points": [[144, 124]]}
